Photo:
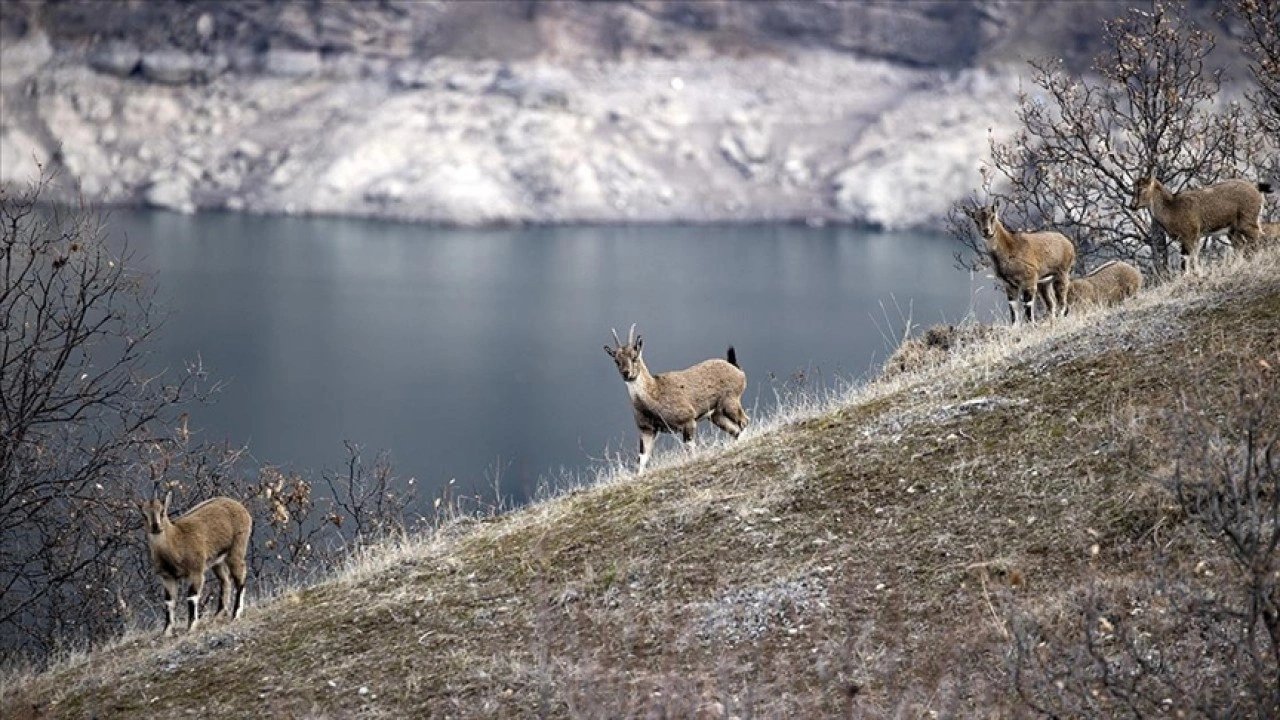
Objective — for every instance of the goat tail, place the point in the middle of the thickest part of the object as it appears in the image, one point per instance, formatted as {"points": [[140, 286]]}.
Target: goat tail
{"points": [[1264, 188], [732, 357]]}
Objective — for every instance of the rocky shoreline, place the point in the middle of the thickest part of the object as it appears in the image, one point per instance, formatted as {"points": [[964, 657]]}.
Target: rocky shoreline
{"points": [[477, 113], [814, 136]]}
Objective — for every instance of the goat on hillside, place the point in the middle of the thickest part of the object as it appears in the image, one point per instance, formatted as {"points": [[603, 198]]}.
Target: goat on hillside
{"points": [[1188, 216], [1026, 262], [1108, 284], [675, 401], [214, 534]]}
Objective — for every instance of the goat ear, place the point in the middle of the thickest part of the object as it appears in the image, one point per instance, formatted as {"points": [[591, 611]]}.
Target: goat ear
{"points": [[611, 351], [639, 342], [995, 207], [167, 497]]}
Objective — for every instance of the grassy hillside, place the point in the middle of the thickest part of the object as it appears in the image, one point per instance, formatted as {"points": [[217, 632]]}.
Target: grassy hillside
{"points": [[869, 557]]}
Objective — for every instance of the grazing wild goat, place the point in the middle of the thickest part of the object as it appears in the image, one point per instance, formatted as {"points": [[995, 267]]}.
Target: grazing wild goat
{"points": [[1109, 284], [1231, 205], [1026, 262], [214, 534], [675, 401]]}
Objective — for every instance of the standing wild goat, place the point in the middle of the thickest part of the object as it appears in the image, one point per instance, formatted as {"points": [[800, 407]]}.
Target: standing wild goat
{"points": [[1110, 283], [214, 534], [1232, 205], [1024, 261], [676, 401]]}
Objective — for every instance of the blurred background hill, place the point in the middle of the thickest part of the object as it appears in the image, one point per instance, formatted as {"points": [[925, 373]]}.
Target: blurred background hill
{"points": [[531, 110]]}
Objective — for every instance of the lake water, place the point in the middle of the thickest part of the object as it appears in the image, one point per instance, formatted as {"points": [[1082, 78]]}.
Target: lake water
{"points": [[470, 353]]}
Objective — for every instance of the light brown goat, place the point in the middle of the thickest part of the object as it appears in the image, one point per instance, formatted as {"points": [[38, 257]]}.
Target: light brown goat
{"points": [[675, 401], [1108, 284], [214, 534], [1188, 216], [1026, 262]]}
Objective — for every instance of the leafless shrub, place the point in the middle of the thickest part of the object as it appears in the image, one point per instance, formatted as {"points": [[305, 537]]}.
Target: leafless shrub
{"points": [[88, 429], [1199, 636], [367, 503], [934, 346], [1083, 142], [78, 409]]}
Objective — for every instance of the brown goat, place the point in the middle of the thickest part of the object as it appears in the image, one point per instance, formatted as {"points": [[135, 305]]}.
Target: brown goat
{"points": [[1025, 260], [1108, 284], [214, 534], [675, 401], [1188, 216]]}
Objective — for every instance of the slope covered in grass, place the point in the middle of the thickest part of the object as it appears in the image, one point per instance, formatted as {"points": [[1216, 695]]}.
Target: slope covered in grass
{"points": [[863, 558]]}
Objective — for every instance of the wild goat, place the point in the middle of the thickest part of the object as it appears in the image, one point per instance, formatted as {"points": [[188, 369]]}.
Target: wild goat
{"points": [[1108, 284], [1188, 216], [676, 401], [1026, 262], [214, 534]]}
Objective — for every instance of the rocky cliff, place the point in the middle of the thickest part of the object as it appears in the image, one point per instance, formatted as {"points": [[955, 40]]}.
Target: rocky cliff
{"points": [[523, 111]]}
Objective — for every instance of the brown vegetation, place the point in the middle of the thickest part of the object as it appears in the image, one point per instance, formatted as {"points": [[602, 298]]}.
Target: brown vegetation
{"points": [[934, 346], [873, 559]]}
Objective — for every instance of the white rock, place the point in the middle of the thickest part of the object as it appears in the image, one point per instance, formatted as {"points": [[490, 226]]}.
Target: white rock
{"points": [[20, 157], [204, 26], [171, 193], [292, 63], [248, 149]]}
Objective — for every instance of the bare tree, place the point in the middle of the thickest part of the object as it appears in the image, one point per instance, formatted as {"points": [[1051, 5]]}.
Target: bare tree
{"points": [[88, 428], [1262, 46], [367, 502], [1154, 107], [78, 408]]}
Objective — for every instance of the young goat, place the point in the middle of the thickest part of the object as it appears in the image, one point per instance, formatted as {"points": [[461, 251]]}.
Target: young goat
{"points": [[1025, 260], [675, 401], [214, 534], [1188, 216], [1108, 284]]}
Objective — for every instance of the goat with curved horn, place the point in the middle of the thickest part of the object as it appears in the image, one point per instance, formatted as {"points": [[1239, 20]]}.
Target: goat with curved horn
{"points": [[675, 401]]}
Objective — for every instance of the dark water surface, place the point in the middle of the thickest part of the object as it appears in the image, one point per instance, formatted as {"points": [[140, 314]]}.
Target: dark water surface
{"points": [[468, 353]]}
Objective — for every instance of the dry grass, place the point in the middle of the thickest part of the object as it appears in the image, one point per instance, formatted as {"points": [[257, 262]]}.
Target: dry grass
{"points": [[856, 555]]}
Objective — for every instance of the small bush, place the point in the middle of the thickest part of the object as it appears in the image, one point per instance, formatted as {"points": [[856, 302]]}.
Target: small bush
{"points": [[1199, 634]]}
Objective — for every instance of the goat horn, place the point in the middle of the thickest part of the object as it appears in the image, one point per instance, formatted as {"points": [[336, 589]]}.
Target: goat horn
{"points": [[631, 334], [616, 341]]}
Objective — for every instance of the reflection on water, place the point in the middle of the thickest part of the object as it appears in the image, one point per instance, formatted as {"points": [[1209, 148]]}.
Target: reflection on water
{"points": [[469, 352]]}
